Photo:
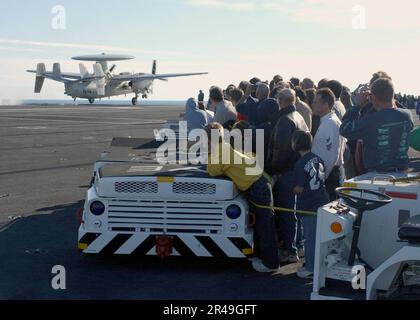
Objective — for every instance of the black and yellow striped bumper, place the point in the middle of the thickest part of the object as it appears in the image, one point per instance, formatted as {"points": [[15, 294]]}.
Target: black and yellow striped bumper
{"points": [[182, 245]]}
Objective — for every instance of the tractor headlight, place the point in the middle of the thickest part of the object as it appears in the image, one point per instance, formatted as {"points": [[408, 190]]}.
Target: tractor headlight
{"points": [[97, 208], [233, 211]]}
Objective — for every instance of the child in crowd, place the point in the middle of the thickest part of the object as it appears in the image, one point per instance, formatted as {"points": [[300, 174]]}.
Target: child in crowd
{"points": [[309, 178], [223, 160]]}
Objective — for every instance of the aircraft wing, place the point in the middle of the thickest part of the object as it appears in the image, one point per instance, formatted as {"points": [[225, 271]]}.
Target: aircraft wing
{"points": [[163, 76]]}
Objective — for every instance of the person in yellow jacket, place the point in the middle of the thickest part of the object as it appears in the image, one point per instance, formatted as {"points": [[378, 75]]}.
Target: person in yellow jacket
{"points": [[223, 160]]}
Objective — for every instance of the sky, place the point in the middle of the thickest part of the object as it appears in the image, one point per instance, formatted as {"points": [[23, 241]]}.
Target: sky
{"points": [[233, 40]]}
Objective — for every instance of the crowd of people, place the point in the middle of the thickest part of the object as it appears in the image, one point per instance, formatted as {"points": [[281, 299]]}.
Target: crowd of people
{"points": [[409, 101], [316, 136]]}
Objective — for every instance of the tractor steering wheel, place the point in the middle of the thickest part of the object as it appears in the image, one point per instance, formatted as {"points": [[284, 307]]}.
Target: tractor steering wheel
{"points": [[360, 203]]}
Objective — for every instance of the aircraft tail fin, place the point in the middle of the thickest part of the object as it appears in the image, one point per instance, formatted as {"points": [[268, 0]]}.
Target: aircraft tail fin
{"points": [[154, 67], [40, 77], [56, 71], [99, 72], [83, 70], [100, 78]]}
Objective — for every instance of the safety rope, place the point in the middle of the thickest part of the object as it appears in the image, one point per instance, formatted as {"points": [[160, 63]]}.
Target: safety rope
{"points": [[302, 212]]}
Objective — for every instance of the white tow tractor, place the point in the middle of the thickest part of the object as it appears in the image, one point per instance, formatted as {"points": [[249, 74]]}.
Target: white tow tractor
{"points": [[368, 242], [137, 208]]}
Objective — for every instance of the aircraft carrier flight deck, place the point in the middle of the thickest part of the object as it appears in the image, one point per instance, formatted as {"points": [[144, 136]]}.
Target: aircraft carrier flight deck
{"points": [[46, 159]]}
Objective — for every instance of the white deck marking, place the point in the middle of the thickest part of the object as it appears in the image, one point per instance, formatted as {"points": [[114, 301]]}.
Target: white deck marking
{"points": [[32, 128]]}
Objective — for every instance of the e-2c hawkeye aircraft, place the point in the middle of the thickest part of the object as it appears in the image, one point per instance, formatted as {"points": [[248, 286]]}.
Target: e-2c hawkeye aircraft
{"points": [[102, 82]]}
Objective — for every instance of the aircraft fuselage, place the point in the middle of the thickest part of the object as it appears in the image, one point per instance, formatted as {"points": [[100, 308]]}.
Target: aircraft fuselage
{"points": [[112, 88]]}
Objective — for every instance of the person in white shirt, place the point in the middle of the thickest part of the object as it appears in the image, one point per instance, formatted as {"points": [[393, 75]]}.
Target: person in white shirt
{"points": [[328, 144]]}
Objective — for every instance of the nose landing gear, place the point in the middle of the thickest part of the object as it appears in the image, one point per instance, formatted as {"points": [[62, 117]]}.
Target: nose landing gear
{"points": [[91, 100]]}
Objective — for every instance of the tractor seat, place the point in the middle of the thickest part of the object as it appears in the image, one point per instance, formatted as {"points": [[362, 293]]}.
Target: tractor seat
{"points": [[410, 230]]}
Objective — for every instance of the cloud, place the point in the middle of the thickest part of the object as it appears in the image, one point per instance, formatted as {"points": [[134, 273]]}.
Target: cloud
{"points": [[224, 4], [332, 13], [350, 66], [7, 48], [342, 13], [95, 47]]}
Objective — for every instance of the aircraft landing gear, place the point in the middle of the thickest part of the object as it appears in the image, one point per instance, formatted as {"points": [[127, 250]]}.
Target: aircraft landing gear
{"points": [[91, 100], [134, 101], [144, 96]]}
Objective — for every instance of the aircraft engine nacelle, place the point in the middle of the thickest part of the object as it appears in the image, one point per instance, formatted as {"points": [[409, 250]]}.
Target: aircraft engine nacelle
{"points": [[140, 86]]}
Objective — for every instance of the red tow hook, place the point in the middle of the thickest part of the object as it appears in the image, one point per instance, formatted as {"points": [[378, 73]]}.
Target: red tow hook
{"points": [[164, 246], [79, 215]]}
